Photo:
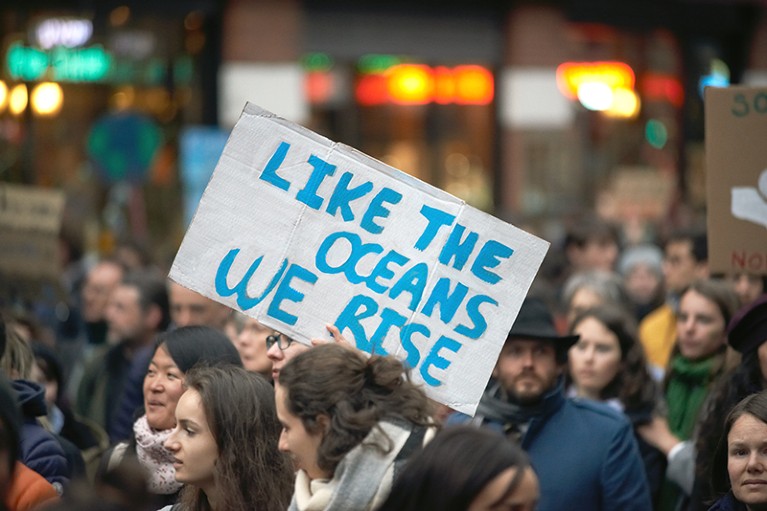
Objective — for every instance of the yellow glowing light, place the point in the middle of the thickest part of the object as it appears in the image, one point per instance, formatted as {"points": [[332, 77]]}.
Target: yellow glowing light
{"points": [[17, 101], [3, 95], [410, 84], [47, 98], [625, 104], [571, 76]]}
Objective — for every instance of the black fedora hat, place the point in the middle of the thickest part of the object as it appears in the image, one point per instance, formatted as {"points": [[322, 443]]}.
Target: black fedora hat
{"points": [[536, 322]]}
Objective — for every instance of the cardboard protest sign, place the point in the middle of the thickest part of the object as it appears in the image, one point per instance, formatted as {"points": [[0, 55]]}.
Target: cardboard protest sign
{"points": [[30, 219], [736, 179], [298, 232]]}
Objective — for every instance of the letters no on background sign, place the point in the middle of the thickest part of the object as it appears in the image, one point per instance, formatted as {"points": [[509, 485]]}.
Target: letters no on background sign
{"points": [[736, 179], [298, 232]]}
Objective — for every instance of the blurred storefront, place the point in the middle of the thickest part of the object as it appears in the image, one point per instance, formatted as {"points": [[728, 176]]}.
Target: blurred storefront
{"points": [[571, 106], [534, 111], [92, 100]]}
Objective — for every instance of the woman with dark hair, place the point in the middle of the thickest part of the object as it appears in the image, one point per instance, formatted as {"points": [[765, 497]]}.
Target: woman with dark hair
{"points": [[608, 364], [225, 444], [465, 468], [175, 353], [747, 334], [739, 470], [699, 359], [349, 422]]}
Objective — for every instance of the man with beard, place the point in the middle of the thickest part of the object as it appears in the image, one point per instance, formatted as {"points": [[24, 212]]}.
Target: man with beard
{"points": [[583, 452], [136, 312]]}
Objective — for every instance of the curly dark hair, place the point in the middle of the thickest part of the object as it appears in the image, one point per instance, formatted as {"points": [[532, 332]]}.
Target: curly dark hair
{"points": [[250, 472], [353, 392], [632, 385]]}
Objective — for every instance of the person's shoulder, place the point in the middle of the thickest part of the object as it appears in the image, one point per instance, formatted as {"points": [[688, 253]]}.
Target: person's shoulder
{"points": [[457, 418], [598, 412], [661, 315], [28, 489], [95, 360]]}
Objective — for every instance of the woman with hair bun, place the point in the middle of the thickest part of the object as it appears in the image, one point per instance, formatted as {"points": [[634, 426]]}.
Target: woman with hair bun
{"points": [[349, 423]]}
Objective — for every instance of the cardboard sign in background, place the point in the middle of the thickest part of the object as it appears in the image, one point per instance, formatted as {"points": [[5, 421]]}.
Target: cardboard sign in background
{"points": [[298, 232], [30, 219], [736, 179]]}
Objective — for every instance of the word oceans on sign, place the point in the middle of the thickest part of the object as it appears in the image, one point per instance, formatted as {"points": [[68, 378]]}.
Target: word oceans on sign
{"points": [[379, 273]]}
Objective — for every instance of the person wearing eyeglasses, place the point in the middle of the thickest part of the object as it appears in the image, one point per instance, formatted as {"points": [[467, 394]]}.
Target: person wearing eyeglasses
{"points": [[280, 349], [251, 343]]}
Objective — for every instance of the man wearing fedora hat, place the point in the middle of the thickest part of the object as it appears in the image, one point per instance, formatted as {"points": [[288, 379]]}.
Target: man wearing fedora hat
{"points": [[584, 452]]}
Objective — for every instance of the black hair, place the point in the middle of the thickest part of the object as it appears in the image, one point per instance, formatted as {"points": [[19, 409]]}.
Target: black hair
{"points": [[189, 345], [453, 469], [698, 242]]}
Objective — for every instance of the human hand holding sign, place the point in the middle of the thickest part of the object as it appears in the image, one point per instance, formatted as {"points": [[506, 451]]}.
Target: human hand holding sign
{"points": [[335, 333]]}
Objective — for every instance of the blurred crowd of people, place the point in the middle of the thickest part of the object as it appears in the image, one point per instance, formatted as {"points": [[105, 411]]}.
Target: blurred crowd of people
{"points": [[632, 379]]}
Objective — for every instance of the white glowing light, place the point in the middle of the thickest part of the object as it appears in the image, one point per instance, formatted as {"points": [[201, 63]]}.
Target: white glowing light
{"points": [[595, 96]]}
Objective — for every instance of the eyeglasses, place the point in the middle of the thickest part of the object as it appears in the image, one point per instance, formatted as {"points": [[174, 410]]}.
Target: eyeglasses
{"points": [[282, 341]]}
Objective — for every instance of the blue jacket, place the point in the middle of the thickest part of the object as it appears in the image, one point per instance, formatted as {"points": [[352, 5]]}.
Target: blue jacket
{"points": [[583, 452], [40, 450]]}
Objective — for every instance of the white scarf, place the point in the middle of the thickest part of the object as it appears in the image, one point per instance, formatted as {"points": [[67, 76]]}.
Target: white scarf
{"points": [[155, 458], [363, 478]]}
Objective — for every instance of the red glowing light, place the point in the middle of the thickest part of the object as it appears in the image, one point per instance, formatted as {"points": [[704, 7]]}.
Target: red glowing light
{"points": [[663, 87], [371, 90], [319, 87]]}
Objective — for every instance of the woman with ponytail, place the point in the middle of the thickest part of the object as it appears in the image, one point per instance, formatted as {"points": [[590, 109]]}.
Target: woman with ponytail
{"points": [[349, 423]]}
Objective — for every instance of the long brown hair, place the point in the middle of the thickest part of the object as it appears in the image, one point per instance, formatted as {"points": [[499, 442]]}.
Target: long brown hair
{"points": [[355, 393], [250, 472], [632, 385]]}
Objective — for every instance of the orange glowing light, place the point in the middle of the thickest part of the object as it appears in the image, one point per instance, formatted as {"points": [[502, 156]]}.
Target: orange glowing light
{"points": [[444, 85], [473, 85], [416, 84], [410, 84], [572, 75]]}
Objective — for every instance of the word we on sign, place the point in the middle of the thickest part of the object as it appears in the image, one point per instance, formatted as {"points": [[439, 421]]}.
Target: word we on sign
{"points": [[298, 232]]}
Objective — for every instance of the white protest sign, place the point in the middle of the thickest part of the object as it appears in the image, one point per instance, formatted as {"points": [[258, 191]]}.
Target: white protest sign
{"points": [[297, 232]]}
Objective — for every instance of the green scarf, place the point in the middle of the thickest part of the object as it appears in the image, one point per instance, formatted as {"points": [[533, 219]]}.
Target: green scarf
{"points": [[687, 388]]}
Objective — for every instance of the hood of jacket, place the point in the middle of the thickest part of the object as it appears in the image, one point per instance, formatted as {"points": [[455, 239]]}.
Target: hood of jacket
{"points": [[31, 398]]}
